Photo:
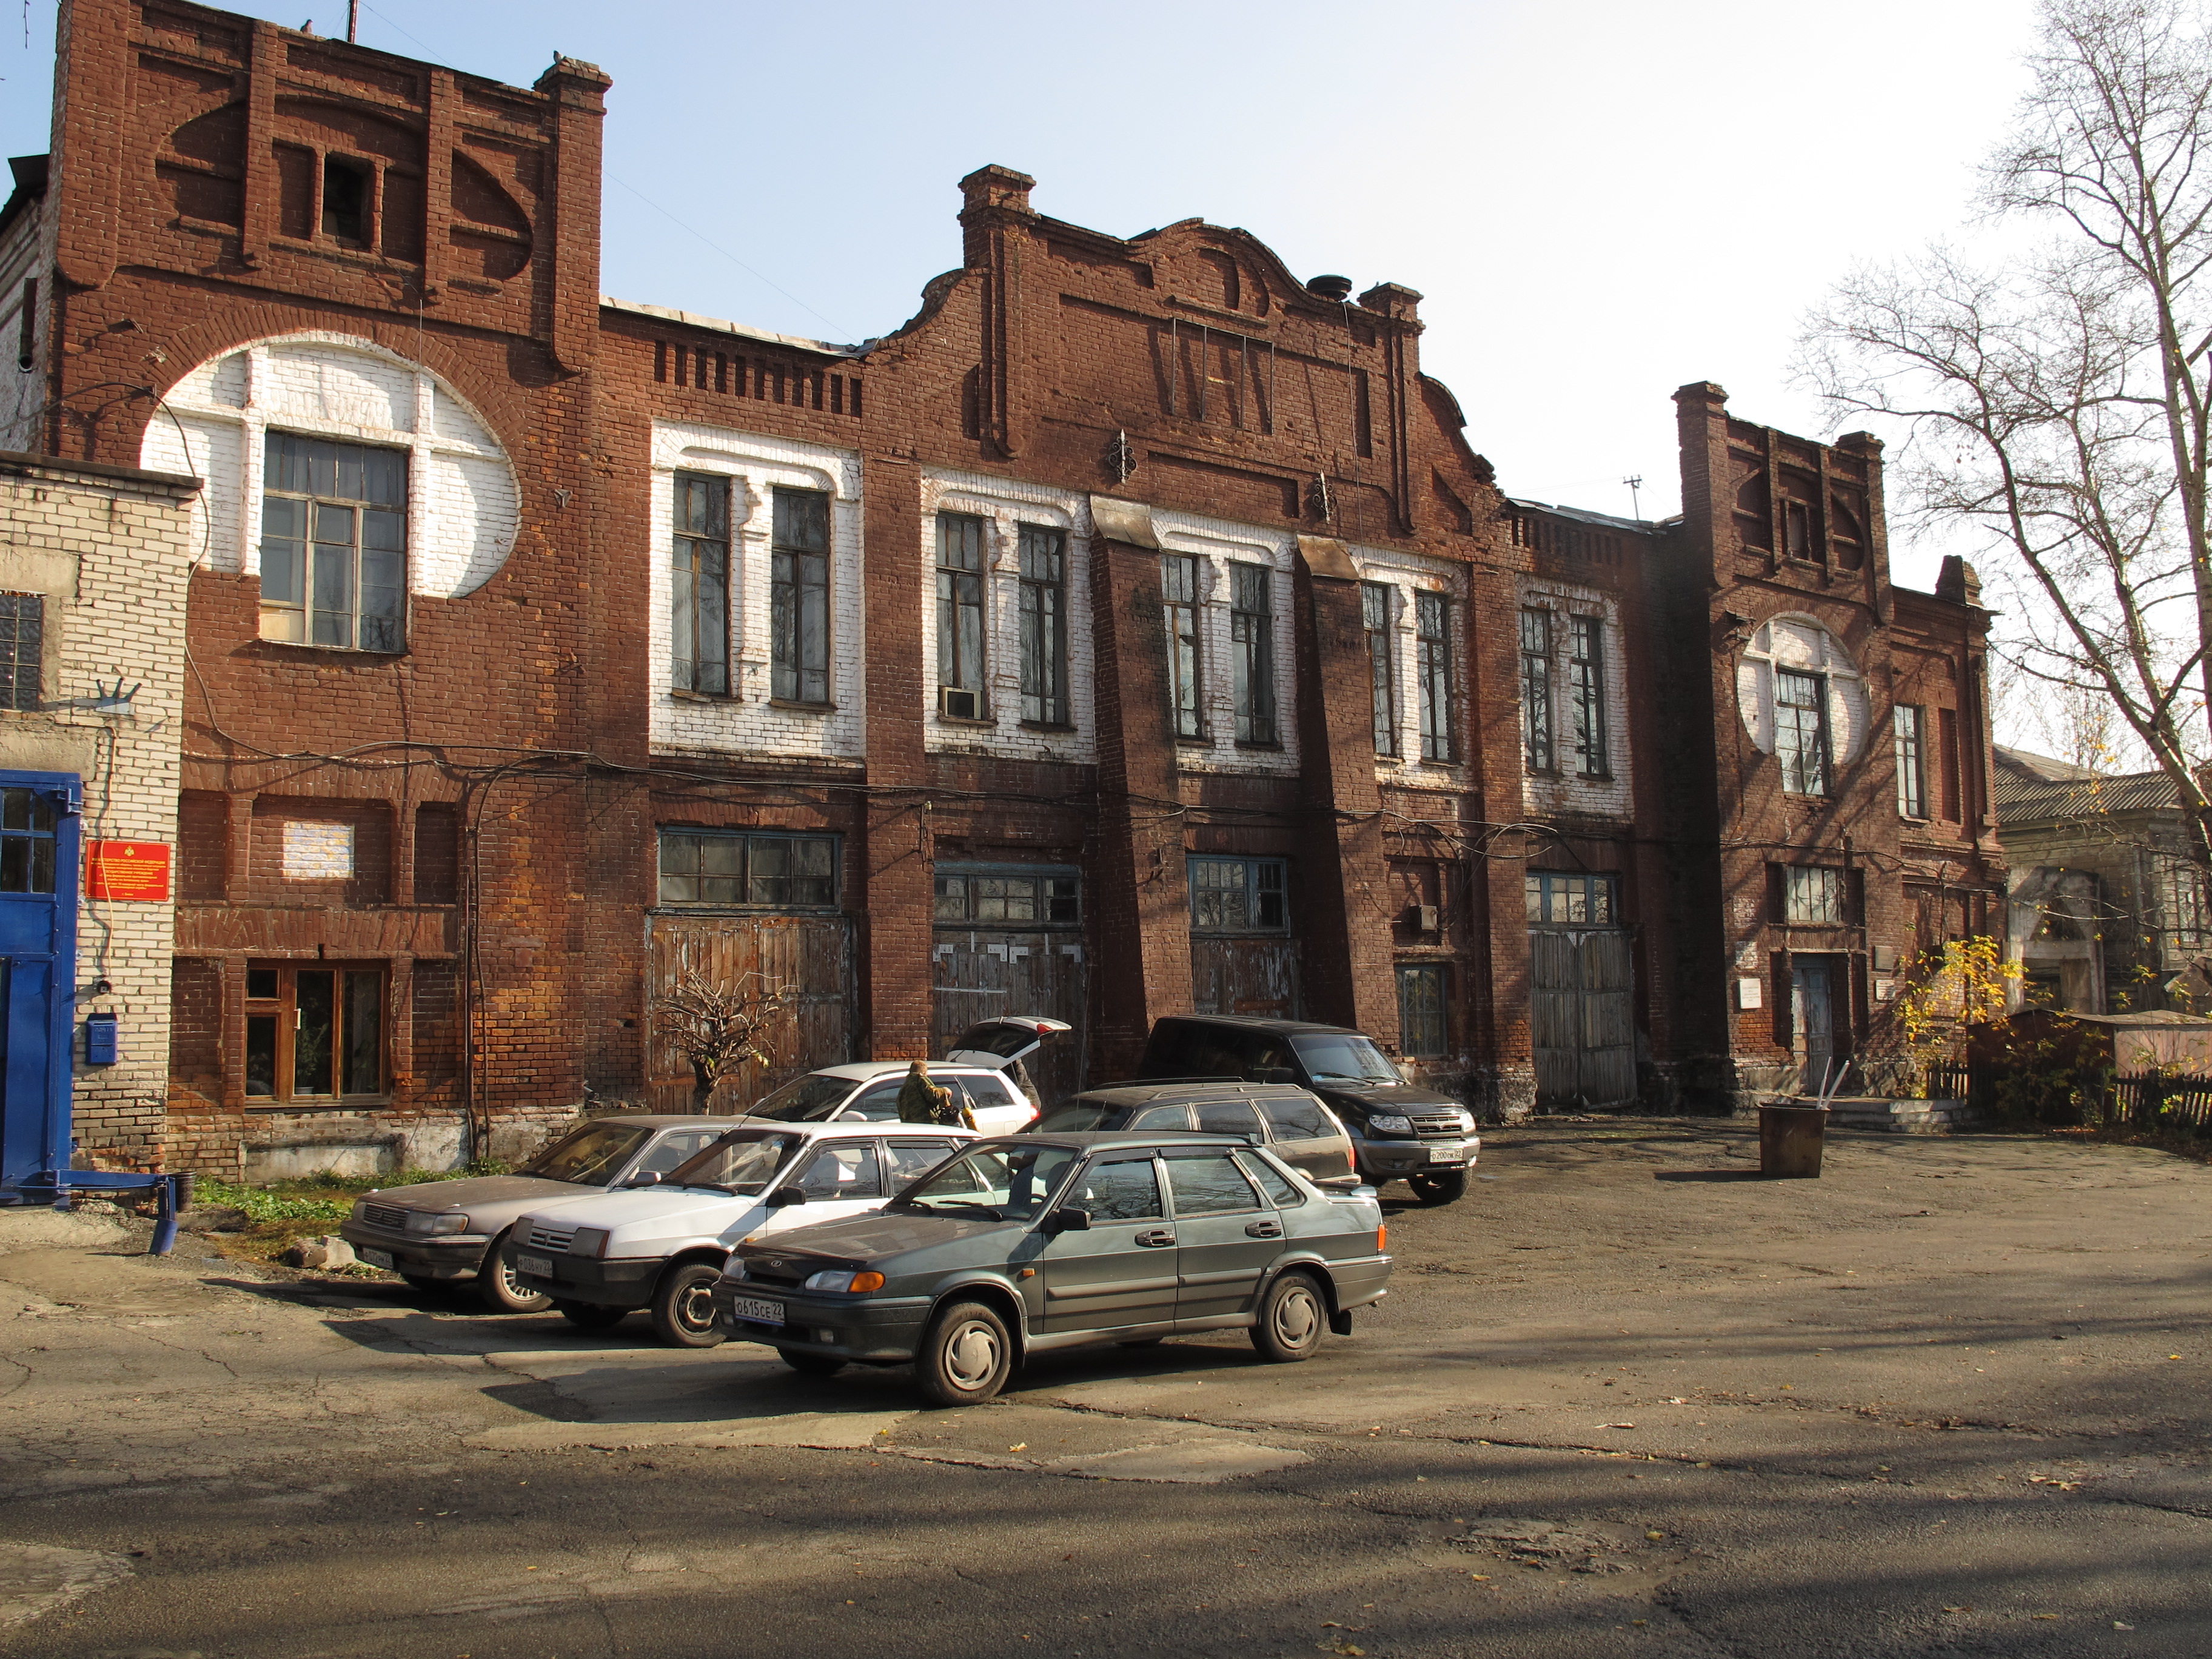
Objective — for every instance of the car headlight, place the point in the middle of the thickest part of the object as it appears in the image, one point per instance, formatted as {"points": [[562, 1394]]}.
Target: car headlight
{"points": [[843, 1279], [423, 1221], [1466, 1122], [1390, 1123], [589, 1241]]}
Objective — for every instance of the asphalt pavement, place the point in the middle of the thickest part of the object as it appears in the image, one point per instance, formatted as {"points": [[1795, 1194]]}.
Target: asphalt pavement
{"points": [[1625, 1397]]}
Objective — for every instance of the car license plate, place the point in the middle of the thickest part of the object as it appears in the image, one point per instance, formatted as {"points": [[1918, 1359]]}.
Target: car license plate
{"points": [[1446, 1155], [375, 1258], [540, 1265], [760, 1312]]}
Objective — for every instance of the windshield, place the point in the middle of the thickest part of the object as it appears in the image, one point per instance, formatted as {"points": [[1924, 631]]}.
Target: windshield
{"points": [[1071, 1119], [1000, 1181], [1346, 1059], [742, 1161], [589, 1156], [808, 1099]]}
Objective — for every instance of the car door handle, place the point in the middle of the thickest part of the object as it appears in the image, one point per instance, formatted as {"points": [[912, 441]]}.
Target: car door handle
{"points": [[1263, 1230], [1156, 1237]]}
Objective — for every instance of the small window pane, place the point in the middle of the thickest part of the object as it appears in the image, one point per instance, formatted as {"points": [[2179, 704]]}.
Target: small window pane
{"points": [[1126, 1190], [1209, 1183]]}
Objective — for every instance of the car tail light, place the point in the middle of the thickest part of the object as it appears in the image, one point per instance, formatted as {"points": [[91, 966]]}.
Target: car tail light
{"points": [[1382, 1238]]}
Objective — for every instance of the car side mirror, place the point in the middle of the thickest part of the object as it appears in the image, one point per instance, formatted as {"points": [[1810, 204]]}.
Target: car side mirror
{"points": [[644, 1178], [785, 1196], [1068, 1220]]}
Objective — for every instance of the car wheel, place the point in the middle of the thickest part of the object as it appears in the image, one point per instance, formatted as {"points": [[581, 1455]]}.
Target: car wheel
{"points": [[683, 1307], [590, 1316], [501, 1290], [966, 1357], [1292, 1315], [811, 1364], [1440, 1188]]}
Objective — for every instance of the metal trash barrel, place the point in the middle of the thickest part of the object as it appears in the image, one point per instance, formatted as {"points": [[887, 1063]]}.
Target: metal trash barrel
{"points": [[1790, 1138]]}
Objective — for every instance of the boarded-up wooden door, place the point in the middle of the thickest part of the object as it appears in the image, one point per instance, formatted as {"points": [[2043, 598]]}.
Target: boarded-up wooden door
{"points": [[1581, 1017], [1244, 976], [812, 956], [979, 973]]}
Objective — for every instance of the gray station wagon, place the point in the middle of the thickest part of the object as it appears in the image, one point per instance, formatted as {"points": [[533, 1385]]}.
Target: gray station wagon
{"points": [[1291, 1123], [1015, 1246]]}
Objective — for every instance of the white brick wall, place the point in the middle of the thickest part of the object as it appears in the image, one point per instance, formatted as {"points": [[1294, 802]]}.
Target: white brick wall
{"points": [[111, 557], [1220, 543], [747, 722], [1406, 574], [1568, 792], [462, 497], [1008, 506]]}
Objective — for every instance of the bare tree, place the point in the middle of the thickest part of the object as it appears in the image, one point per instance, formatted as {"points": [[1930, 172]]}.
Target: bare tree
{"points": [[719, 1028], [2056, 393]]}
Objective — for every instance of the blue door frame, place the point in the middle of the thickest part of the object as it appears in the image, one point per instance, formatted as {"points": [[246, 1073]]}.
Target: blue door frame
{"points": [[41, 827]]}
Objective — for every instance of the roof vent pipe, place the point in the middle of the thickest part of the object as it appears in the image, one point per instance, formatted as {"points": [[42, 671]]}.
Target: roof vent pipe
{"points": [[1330, 288]]}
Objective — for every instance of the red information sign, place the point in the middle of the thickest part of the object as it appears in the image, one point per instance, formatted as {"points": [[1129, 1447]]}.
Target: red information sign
{"points": [[127, 870]]}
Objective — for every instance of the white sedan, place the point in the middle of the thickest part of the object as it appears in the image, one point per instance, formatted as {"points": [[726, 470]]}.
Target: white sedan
{"points": [[661, 1241]]}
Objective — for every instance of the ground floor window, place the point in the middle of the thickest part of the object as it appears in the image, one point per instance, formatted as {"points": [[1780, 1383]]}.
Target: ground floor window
{"points": [[993, 895], [314, 1033], [1238, 895], [1422, 1027], [731, 866]]}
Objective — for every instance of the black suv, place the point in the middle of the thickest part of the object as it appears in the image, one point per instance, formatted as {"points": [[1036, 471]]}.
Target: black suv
{"points": [[1297, 1128], [1397, 1130]]}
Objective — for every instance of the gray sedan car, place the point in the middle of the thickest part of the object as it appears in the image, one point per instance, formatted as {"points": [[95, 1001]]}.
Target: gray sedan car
{"points": [[1016, 1246], [442, 1231]]}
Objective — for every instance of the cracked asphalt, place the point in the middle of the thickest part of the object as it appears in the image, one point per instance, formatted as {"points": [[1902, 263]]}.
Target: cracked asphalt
{"points": [[1624, 1398]]}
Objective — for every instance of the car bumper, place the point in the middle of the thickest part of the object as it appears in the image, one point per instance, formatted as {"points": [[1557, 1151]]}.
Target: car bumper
{"points": [[455, 1257], [604, 1284], [871, 1329], [1361, 1281], [1389, 1159]]}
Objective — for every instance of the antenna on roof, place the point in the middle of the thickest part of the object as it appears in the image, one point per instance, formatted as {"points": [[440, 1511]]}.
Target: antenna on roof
{"points": [[1634, 482], [353, 22]]}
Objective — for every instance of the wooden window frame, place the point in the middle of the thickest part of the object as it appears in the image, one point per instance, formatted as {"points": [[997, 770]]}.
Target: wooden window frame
{"points": [[962, 568], [283, 1010], [290, 490], [1377, 601], [1043, 623], [1539, 741], [1265, 883], [747, 842], [799, 575], [1586, 695], [1179, 594], [1252, 648]]}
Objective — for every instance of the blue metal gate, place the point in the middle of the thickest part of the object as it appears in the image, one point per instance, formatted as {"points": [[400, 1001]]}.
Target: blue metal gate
{"points": [[39, 829]]}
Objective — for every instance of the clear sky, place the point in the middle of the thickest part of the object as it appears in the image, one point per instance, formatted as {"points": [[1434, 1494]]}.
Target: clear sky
{"points": [[1600, 201]]}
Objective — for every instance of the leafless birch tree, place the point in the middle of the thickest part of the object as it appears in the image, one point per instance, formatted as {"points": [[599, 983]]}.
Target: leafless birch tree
{"points": [[2057, 389]]}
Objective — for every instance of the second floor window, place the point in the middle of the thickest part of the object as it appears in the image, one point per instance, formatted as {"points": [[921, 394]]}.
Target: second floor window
{"points": [[1252, 644], [1537, 752], [1382, 663], [699, 586], [960, 614], [994, 895], [1179, 603], [1432, 638], [1239, 895], [1912, 766], [798, 599], [1813, 894], [1573, 899], [1801, 731], [1044, 625], [1586, 690], [333, 544], [727, 866]]}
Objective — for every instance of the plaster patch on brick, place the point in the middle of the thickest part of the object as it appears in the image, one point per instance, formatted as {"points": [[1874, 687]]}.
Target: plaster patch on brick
{"points": [[747, 722], [462, 494], [1406, 574], [1220, 543], [1802, 642], [1568, 793], [1008, 504]]}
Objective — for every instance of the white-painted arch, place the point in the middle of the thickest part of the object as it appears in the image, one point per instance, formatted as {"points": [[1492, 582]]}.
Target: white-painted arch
{"points": [[462, 496], [1805, 643]]}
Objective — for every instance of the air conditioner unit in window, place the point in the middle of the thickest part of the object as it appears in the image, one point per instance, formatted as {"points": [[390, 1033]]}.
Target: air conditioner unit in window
{"points": [[955, 703]]}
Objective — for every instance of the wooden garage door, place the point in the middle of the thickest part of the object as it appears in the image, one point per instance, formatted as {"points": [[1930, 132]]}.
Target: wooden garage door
{"points": [[978, 973], [810, 955], [1581, 1017]]}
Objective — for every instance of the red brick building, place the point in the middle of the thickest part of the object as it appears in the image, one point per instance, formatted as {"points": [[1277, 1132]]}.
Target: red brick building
{"points": [[1134, 630]]}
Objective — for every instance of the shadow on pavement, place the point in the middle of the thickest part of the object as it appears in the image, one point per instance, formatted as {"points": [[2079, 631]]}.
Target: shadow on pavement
{"points": [[1707, 1175]]}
